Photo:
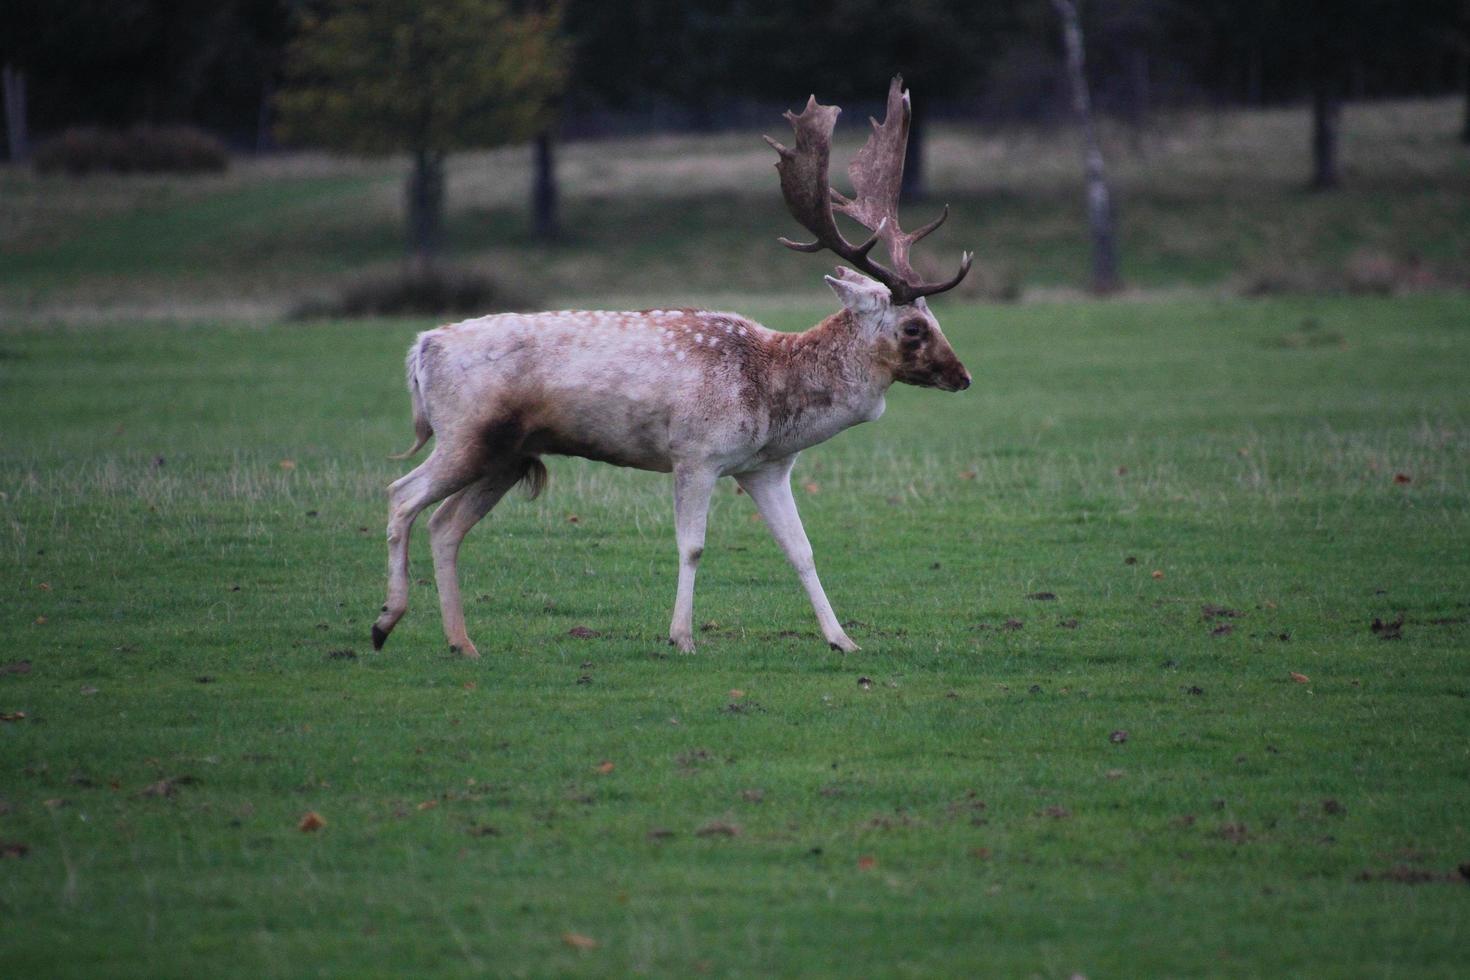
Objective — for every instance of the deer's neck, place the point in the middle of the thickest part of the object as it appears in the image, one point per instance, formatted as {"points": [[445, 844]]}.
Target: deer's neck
{"points": [[830, 379]]}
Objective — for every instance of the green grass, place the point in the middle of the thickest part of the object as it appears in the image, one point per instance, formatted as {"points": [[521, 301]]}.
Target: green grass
{"points": [[183, 599], [1207, 202]]}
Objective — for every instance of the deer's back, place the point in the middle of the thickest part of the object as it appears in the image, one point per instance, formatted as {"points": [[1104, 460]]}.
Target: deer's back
{"points": [[635, 389]]}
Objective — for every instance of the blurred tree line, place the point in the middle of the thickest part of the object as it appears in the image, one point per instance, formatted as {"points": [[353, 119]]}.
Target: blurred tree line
{"points": [[698, 63], [426, 77]]}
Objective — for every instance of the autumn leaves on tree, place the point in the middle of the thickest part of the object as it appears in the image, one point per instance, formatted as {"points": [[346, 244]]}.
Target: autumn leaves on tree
{"points": [[425, 77]]}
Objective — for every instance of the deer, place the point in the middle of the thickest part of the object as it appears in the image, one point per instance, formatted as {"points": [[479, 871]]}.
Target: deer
{"points": [[697, 394]]}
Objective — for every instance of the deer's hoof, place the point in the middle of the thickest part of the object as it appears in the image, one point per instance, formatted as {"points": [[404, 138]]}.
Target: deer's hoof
{"points": [[684, 643], [380, 636], [843, 645], [465, 649]]}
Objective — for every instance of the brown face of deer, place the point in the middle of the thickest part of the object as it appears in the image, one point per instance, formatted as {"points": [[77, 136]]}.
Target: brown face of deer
{"points": [[924, 355]]}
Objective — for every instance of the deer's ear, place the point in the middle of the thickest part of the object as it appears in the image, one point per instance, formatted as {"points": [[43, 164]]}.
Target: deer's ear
{"points": [[859, 293]]}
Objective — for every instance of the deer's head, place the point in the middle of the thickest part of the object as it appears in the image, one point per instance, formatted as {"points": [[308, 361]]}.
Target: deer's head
{"points": [[888, 304], [905, 338]]}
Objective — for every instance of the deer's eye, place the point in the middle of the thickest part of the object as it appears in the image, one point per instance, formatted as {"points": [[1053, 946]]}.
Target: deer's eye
{"points": [[914, 328]]}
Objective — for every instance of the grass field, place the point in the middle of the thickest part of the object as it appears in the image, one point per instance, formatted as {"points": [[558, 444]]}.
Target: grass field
{"points": [[1208, 202], [1197, 759]]}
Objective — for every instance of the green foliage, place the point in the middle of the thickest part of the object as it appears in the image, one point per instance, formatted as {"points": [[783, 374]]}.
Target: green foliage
{"points": [[384, 76], [192, 617]]}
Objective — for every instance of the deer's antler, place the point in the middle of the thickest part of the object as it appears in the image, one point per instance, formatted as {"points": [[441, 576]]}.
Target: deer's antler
{"points": [[877, 176]]}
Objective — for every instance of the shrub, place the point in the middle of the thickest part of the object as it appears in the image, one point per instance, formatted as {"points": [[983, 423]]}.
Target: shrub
{"points": [[140, 149], [438, 290]]}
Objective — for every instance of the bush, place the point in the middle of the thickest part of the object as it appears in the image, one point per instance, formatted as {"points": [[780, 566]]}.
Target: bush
{"points": [[140, 149], [438, 290]]}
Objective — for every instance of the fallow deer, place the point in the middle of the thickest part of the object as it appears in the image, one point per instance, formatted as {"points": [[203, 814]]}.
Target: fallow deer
{"points": [[694, 393]]}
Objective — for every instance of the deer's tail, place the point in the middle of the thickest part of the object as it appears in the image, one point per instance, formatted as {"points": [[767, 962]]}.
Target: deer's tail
{"points": [[422, 430]]}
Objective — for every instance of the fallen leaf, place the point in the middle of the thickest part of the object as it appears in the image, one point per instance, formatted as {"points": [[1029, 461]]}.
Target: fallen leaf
{"points": [[1402, 478], [164, 787], [427, 805], [812, 486], [1300, 678], [968, 474], [573, 519], [310, 822], [13, 849], [1235, 833], [866, 683], [1118, 737], [55, 803], [605, 767], [1392, 630], [1056, 811], [660, 833], [752, 795], [718, 828], [40, 620], [867, 862], [1224, 629], [1114, 774], [17, 667], [469, 685], [579, 941], [736, 693], [1042, 596], [1157, 573], [12, 715], [44, 586], [583, 632], [1012, 624], [88, 690], [287, 464]]}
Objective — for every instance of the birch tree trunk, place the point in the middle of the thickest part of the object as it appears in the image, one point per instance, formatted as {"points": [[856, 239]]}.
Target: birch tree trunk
{"points": [[1099, 201]]}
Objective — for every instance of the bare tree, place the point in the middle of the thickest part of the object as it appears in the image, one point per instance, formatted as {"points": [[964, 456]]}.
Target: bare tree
{"points": [[1100, 221]]}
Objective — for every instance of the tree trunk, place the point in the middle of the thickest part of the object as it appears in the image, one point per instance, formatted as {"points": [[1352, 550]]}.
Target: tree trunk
{"points": [[1465, 133], [1138, 96], [425, 207], [1326, 116], [263, 118], [543, 190], [913, 187], [1099, 200], [17, 133]]}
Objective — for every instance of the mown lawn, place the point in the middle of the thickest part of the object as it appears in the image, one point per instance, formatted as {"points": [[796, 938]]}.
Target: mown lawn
{"points": [[1198, 758]]}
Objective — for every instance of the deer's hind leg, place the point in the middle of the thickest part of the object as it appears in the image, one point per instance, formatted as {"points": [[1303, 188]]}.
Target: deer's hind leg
{"points": [[447, 528], [432, 480]]}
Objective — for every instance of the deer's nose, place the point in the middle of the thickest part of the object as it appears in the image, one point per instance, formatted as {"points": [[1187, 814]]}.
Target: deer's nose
{"points": [[964, 381]]}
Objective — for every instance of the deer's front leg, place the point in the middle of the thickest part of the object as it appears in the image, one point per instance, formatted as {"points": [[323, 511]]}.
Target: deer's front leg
{"points": [[693, 486], [770, 488]]}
